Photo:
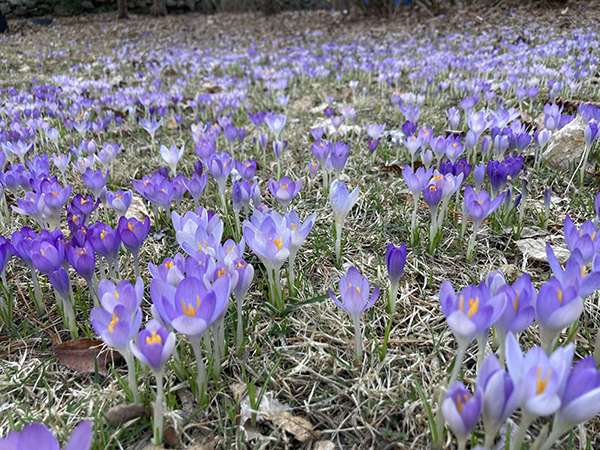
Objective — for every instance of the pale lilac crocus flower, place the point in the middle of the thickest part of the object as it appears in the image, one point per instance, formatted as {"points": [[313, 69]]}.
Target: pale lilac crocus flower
{"points": [[354, 292]]}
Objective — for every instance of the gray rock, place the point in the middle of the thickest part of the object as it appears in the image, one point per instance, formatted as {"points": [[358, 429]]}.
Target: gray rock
{"points": [[87, 5], [566, 146], [20, 11]]}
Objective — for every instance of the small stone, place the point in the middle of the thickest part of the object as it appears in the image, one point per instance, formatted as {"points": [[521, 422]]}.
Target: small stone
{"points": [[87, 5]]}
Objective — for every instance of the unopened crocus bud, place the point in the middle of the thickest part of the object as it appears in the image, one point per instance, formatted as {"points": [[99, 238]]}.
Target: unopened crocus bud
{"points": [[486, 144], [427, 158]]}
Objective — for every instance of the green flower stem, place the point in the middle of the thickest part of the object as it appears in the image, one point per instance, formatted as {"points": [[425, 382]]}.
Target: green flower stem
{"points": [[132, 376], [201, 375], [158, 410]]}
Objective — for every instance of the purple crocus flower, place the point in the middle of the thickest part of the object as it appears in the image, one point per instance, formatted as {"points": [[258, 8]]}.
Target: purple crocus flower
{"points": [[469, 314], [454, 149], [321, 151], [46, 256], [498, 174], [372, 145], [170, 271], [339, 156], [576, 271], [133, 233], [480, 206], [275, 122], [395, 259], [557, 307], [542, 379], [342, 202], [354, 293], [83, 260], [269, 238], [117, 327], [124, 293], [583, 238], [313, 168], [204, 149], [155, 346], [246, 169], [478, 176], [38, 436], [195, 186], [61, 162], [171, 156], [120, 201], [501, 396], [374, 130], [95, 181], [461, 410], [257, 118], [580, 399], [220, 166], [106, 242], [285, 190], [245, 276], [33, 206]]}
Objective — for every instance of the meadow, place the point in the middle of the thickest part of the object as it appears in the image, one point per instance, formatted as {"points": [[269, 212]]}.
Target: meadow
{"points": [[316, 231]]}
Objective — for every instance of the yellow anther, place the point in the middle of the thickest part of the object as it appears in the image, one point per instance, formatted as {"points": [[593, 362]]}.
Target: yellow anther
{"points": [[130, 226], [113, 322], [169, 264], [154, 339], [541, 383], [559, 294], [473, 307]]}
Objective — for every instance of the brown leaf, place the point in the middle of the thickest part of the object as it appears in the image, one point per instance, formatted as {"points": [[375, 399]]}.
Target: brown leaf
{"points": [[120, 414], [80, 355], [298, 427], [208, 88]]}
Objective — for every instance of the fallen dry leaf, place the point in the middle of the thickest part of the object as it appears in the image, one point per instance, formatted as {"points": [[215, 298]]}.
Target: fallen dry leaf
{"points": [[324, 445], [298, 427], [80, 356], [138, 210], [120, 414]]}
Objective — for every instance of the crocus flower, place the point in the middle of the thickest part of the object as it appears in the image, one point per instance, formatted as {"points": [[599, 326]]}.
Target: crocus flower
{"points": [[374, 130], [342, 202], [575, 271], [583, 238], [170, 271], [95, 181], [313, 168], [299, 231], [151, 126], [38, 436], [339, 156], [498, 174], [395, 259], [478, 176], [469, 314], [557, 307], [479, 207], [519, 311], [61, 162], [220, 166], [107, 243], [133, 233], [416, 182], [119, 201], [461, 410], [268, 236], [285, 190], [542, 379], [500, 397], [275, 122], [83, 260], [32, 206], [354, 293], [172, 156], [580, 399], [246, 169], [155, 348], [195, 186]]}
